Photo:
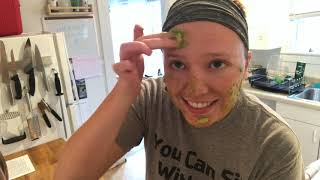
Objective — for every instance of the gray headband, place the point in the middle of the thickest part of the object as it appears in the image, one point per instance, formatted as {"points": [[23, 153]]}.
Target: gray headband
{"points": [[224, 12]]}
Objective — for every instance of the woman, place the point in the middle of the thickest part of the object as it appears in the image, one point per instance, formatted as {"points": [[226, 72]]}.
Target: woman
{"points": [[196, 122]]}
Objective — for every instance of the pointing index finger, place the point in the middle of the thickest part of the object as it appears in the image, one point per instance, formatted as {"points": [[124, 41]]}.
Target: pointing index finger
{"points": [[137, 32], [162, 40]]}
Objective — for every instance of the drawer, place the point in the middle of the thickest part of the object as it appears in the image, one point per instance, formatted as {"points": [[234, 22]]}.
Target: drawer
{"points": [[298, 113]]}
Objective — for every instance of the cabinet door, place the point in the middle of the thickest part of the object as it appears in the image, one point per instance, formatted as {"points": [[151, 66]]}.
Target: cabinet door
{"points": [[308, 136], [271, 103]]}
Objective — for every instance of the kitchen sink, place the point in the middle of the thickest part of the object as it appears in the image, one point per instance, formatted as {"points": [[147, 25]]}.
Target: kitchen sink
{"points": [[312, 94]]}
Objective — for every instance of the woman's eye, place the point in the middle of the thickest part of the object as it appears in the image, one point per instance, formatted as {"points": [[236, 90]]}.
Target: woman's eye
{"points": [[217, 64], [177, 65]]}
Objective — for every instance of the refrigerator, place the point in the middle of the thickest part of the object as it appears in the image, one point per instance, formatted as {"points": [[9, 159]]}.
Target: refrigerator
{"points": [[87, 64], [15, 114]]}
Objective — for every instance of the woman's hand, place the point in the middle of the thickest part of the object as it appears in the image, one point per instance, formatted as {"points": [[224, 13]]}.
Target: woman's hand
{"points": [[131, 66]]}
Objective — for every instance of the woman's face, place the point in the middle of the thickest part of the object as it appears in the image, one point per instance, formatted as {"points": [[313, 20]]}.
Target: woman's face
{"points": [[204, 78]]}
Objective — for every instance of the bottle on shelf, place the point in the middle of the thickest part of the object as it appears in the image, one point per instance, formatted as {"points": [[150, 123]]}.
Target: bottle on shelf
{"points": [[53, 3], [76, 3], [64, 3], [84, 3]]}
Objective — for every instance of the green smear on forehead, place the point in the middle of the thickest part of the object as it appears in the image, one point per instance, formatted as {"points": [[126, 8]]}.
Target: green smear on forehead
{"points": [[179, 36], [203, 120]]}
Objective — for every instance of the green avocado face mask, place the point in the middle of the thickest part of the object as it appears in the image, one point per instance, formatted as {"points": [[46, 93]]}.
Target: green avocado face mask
{"points": [[179, 35], [203, 120]]}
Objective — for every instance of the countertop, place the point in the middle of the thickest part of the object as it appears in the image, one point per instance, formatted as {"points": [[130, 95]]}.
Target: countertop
{"points": [[44, 159], [280, 97]]}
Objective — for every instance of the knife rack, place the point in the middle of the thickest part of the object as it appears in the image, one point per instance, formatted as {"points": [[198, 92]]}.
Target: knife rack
{"points": [[52, 53]]}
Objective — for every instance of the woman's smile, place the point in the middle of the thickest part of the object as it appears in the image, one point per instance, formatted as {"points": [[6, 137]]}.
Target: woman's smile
{"points": [[199, 107]]}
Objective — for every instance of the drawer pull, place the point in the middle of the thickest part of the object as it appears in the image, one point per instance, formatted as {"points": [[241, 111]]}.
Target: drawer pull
{"points": [[314, 136]]}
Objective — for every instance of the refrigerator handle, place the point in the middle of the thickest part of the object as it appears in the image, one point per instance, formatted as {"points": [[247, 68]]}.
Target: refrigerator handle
{"points": [[74, 86]]}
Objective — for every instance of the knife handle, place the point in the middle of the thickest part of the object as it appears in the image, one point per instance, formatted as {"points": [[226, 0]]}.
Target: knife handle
{"points": [[57, 84], [46, 119], [55, 114], [14, 139], [17, 86], [32, 82]]}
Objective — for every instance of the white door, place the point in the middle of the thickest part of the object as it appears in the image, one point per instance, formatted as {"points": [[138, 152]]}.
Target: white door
{"points": [[309, 136]]}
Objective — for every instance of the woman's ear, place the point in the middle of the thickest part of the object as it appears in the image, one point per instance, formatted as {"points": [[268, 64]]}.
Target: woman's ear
{"points": [[248, 60], [247, 64]]}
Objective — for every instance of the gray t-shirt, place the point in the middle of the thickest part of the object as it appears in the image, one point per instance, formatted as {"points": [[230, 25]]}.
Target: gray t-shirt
{"points": [[252, 142]]}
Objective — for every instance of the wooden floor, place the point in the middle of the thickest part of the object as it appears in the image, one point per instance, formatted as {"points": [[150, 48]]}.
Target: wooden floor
{"points": [[132, 169]]}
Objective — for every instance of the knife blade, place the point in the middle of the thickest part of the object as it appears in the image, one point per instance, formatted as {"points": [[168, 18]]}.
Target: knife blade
{"points": [[28, 66], [15, 78], [5, 71], [41, 67]]}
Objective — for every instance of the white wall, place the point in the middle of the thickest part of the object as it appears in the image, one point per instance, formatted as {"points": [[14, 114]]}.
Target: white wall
{"points": [[166, 5], [268, 22], [31, 12]]}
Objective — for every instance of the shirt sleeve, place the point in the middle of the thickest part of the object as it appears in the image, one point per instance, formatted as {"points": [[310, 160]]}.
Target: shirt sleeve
{"points": [[280, 157], [133, 128]]}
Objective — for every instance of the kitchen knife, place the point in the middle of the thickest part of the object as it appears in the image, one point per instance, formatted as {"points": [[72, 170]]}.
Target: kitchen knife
{"points": [[41, 67], [53, 112], [59, 93], [57, 83], [5, 71], [42, 108], [28, 67], [15, 78]]}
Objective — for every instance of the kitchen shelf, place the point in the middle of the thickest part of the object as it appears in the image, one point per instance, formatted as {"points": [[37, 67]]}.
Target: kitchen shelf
{"points": [[70, 10]]}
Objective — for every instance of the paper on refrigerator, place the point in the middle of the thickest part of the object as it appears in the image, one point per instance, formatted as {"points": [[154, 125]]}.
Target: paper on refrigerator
{"points": [[87, 67]]}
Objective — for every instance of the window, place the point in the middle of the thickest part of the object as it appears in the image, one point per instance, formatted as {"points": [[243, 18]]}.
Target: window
{"points": [[304, 26], [124, 14]]}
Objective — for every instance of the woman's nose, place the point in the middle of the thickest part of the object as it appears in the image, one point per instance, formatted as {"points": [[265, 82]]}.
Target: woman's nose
{"points": [[197, 86]]}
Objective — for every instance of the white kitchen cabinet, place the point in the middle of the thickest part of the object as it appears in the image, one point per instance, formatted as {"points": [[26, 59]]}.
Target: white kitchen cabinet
{"points": [[271, 103], [309, 137], [306, 124], [299, 113]]}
